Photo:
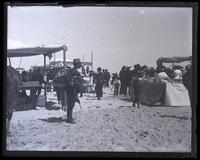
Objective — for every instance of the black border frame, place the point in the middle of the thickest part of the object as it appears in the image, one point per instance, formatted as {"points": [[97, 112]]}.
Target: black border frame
{"points": [[192, 154]]}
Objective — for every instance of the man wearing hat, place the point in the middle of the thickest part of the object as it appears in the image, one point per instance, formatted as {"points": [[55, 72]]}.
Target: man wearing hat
{"points": [[122, 75], [73, 82], [99, 83]]}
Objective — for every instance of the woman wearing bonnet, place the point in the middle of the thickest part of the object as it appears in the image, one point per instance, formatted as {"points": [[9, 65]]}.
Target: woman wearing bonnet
{"points": [[177, 75]]}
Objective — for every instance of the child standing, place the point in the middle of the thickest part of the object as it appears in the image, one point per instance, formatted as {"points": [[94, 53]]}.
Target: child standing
{"points": [[137, 83], [116, 84]]}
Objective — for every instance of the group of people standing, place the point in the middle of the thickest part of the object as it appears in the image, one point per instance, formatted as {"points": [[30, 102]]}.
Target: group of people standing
{"points": [[131, 80], [128, 82], [33, 75], [127, 78]]}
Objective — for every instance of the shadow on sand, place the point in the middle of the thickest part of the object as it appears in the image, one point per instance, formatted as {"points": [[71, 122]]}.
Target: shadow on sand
{"points": [[54, 120], [51, 106]]}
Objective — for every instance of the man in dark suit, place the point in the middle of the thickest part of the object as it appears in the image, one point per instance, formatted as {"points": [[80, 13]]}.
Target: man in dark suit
{"points": [[72, 87]]}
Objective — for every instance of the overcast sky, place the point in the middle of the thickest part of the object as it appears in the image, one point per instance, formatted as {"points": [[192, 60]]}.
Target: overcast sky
{"points": [[116, 35]]}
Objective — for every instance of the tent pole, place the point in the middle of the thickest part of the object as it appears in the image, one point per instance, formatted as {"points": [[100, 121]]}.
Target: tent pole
{"points": [[92, 59], [9, 61], [91, 78], [64, 61], [45, 89]]}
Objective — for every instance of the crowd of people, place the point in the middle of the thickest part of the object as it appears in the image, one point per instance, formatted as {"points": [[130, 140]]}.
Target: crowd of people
{"points": [[131, 79], [127, 81]]}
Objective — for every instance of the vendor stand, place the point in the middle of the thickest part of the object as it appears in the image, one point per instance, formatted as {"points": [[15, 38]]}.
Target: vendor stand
{"points": [[25, 52]]}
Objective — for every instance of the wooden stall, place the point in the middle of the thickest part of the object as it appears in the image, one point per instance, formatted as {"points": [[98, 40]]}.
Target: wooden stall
{"points": [[28, 52]]}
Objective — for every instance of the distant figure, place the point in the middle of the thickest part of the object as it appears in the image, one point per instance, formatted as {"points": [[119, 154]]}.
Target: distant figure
{"points": [[114, 76], [58, 89], [87, 70], [37, 76], [128, 76], [151, 75], [99, 84], [25, 78], [83, 71], [122, 75], [137, 83], [107, 78], [187, 81], [116, 84]]}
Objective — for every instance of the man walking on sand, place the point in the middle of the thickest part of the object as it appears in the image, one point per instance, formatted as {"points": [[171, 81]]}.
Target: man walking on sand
{"points": [[73, 82]]}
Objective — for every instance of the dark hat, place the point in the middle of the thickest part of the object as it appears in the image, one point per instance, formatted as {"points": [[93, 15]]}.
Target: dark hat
{"points": [[152, 69], [77, 61], [137, 66], [99, 68], [124, 67]]}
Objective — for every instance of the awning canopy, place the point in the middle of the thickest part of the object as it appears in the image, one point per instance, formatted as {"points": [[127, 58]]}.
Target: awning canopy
{"points": [[24, 52], [174, 59]]}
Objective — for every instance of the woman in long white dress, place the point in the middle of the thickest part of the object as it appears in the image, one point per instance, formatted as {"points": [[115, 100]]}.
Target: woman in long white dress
{"points": [[176, 94]]}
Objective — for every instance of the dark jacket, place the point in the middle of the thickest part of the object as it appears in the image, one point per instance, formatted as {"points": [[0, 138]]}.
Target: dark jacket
{"points": [[73, 84], [137, 83], [187, 79]]}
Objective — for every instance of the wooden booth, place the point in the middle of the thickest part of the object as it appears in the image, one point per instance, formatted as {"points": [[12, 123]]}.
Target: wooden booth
{"points": [[28, 52]]}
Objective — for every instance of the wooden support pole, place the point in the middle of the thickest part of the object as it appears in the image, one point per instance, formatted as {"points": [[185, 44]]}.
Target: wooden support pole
{"points": [[91, 78], [64, 64], [92, 59], [45, 89], [9, 61], [64, 60]]}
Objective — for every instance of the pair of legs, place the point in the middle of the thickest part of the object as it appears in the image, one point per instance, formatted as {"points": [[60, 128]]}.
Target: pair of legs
{"points": [[99, 91], [58, 93], [136, 100], [116, 90], [122, 88], [69, 112], [70, 98], [8, 118]]}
